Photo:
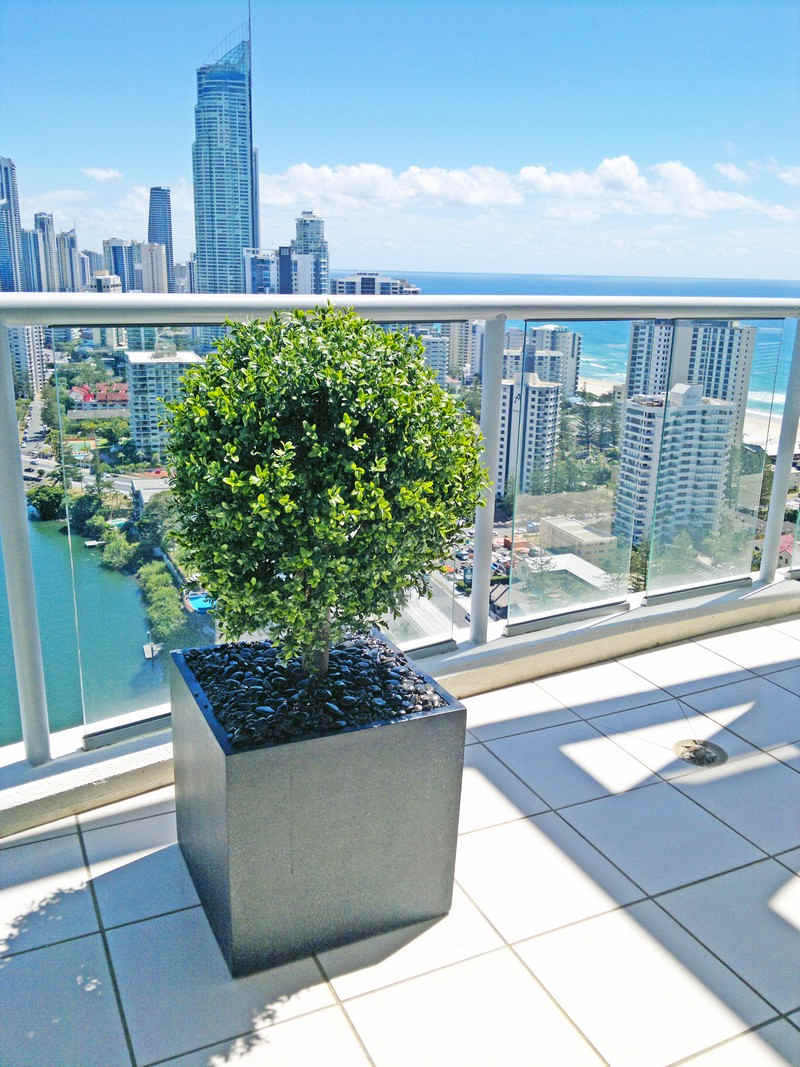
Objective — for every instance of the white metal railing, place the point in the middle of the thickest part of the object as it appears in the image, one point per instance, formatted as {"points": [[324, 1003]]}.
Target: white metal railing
{"points": [[132, 309]]}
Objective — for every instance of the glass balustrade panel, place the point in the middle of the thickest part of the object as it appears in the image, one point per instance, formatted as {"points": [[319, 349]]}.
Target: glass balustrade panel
{"points": [[714, 432], [557, 545]]}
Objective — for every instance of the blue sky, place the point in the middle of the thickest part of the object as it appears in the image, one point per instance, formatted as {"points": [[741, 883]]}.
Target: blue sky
{"points": [[554, 138]]}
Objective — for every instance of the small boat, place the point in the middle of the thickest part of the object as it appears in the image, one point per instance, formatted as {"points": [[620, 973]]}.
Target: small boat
{"points": [[151, 650], [94, 544]]}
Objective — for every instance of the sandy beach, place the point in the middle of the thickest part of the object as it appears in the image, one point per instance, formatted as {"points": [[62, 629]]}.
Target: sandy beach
{"points": [[759, 428]]}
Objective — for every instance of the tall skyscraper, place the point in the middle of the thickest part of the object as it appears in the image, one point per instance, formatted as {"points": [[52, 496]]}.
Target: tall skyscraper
{"points": [[155, 277], [716, 354], [159, 229], [69, 268], [27, 356], [529, 414], [44, 224], [10, 236], [223, 166], [554, 338], [310, 255], [96, 263], [154, 377], [437, 354], [673, 464], [34, 270], [260, 270], [119, 259]]}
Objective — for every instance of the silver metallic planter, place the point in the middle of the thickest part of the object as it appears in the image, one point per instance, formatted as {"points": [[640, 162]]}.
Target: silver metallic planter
{"points": [[299, 847]]}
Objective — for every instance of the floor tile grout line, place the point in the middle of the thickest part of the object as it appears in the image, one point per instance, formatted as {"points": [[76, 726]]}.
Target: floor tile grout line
{"points": [[38, 840], [717, 957], [511, 771], [235, 1037], [430, 970], [508, 945], [107, 951], [558, 1005], [693, 1056], [670, 782], [124, 822], [50, 944], [150, 918], [340, 1003]]}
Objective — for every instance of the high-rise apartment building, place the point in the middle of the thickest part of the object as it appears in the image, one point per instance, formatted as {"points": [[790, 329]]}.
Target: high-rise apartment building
{"points": [[142, 338], [96, 262], [371, 283], [159, 230], [554, 338], [224, 171], [310, 255], [155, 278], [183, 274], [34, 269], [10, 230], [673, 464], [540, 407], [260, 270], [119, 258], [437, 354], [154, 378], [548, 364], [716, 354], [477, 341], [43, 222], [67, 256], [529, 415], [26, 344]]}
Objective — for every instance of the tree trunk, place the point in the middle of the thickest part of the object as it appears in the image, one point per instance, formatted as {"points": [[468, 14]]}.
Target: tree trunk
{"points": [[321, 654]]}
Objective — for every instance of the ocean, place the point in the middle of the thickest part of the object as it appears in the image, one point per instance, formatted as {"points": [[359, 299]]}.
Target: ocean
{"points": [[605, 344]]}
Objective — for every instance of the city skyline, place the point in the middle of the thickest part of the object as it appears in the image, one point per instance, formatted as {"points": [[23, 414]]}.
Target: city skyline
{"points": [[504, 170]]}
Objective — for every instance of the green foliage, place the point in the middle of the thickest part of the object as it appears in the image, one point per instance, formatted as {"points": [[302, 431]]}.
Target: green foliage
{"points": [[96, 528], [114, 430], [118, 553], [48, 501], [23, 406], [319, 473], [162, 601], [81, 509]]}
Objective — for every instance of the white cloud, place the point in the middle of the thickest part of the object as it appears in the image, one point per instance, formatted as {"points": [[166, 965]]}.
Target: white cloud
{"points": [[616, 186], [732, 173], [345, 185], [102, 174], [789, 175]]}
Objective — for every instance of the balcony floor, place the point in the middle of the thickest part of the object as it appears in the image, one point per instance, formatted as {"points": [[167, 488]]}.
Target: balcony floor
{"points": [[613, 903]]}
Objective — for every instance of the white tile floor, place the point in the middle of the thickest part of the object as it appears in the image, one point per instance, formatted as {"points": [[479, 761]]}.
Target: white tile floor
{"points": [[613, 905]]}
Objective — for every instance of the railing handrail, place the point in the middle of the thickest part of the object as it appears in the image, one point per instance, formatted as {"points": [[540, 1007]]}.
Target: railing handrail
{"points": [[126, 309]]}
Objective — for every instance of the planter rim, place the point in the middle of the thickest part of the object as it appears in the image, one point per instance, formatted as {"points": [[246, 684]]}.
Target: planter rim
{"points": [[203, 703]]}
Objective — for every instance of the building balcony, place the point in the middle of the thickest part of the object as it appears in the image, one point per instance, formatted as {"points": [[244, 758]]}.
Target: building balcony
{"points": [[604, 889], [614, 902]]}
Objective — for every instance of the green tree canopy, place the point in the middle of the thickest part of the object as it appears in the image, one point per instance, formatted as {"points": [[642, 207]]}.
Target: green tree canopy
{"points": [[319, 472], [48, 501]]}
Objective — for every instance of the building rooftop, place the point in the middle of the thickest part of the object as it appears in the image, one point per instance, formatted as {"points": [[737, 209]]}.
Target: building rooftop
{"points": [[613, 904]]}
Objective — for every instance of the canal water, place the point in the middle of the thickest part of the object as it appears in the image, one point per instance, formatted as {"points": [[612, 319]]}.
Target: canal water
{"points": [[112, 625]]}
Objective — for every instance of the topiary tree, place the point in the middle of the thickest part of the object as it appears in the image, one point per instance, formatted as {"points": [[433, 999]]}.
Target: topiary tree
{"points": [[318, 473]]}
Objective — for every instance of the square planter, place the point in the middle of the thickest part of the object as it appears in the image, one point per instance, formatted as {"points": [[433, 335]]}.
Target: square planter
{"points": [[299, 847]]}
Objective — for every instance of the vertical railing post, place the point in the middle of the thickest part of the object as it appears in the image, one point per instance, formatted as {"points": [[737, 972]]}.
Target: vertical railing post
{"points": [[783, 468], [19, 572], [491, 383]]}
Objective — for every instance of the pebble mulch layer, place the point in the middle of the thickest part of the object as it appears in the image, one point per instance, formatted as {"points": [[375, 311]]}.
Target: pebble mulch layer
{"points": [[260, 701]]}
